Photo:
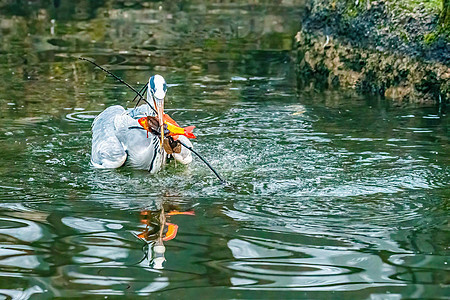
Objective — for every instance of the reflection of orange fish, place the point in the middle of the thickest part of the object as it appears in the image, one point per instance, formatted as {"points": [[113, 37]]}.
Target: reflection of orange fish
{"points": [[171, 125], [171, 233], [142, 235], [174, 213]]}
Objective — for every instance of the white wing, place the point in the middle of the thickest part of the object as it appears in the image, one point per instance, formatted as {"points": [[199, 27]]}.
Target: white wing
{"points": [[107, 150]]}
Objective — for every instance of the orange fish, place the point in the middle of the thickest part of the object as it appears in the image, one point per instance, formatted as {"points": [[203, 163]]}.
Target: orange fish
{"points": [[171, 125]]}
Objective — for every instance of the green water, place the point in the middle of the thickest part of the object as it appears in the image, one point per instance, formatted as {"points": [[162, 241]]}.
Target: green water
{"points": [[331, 196]]}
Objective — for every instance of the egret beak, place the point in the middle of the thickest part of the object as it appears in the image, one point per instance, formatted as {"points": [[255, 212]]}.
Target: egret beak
{"points": [[159, 105]]}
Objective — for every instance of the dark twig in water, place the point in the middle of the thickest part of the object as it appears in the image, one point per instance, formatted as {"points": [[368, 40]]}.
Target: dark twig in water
{"points": [[136, 127], [120, 80], [204, 160]]}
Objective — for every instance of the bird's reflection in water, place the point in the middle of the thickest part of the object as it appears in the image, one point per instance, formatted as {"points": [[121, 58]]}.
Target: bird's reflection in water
{"points": [[157, 231]]}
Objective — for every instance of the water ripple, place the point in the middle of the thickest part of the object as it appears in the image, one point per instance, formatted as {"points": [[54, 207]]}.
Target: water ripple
{"points": [[82, 116]]}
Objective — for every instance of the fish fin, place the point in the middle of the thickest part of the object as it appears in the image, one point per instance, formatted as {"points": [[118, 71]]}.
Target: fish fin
{"points": [[188, 132], [168, 119]]}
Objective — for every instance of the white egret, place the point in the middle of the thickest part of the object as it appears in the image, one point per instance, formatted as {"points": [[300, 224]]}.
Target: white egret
{"points": [[116, 137]]}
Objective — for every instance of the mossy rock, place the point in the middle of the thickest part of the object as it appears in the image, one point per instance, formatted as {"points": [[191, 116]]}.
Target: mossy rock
{"points": [[328, 63]]}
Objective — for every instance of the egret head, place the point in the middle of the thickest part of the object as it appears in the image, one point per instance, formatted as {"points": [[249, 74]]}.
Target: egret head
{"points": [[157, 88]]}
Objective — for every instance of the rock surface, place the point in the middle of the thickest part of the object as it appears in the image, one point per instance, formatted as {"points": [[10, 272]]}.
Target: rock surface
{"points": [[376, 47]]}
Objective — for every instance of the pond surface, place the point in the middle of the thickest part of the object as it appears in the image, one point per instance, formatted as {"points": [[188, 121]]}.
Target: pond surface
{"points": [[331, 196]]}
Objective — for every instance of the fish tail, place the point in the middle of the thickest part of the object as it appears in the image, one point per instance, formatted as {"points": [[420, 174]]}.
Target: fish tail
{"points": [[188, 132]]}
